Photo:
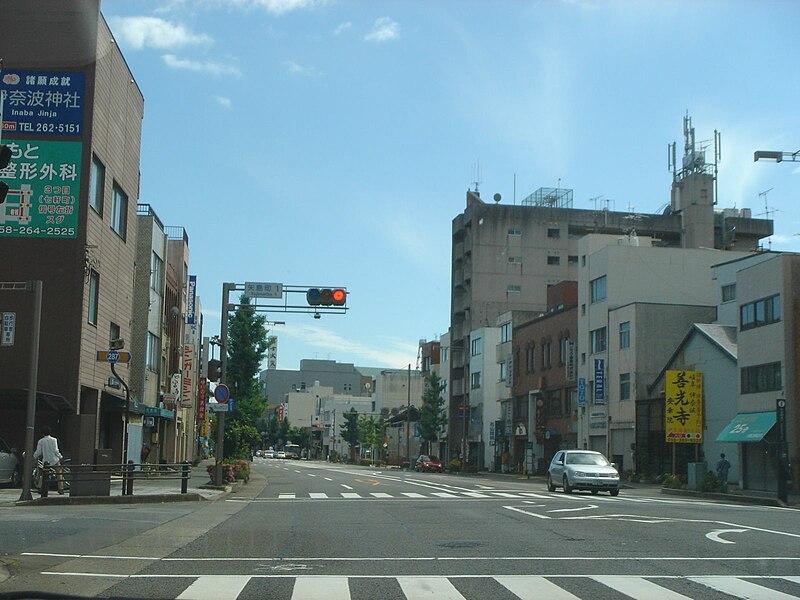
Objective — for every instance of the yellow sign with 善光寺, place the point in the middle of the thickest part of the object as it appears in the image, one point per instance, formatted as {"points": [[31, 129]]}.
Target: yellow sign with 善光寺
{"points": [[683, 410]]}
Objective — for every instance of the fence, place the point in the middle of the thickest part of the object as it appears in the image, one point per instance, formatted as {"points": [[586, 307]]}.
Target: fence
{"points": [[95, 479]]}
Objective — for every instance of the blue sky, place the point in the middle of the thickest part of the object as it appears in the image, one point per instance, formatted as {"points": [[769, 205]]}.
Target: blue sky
{"points": [[332, 142]]}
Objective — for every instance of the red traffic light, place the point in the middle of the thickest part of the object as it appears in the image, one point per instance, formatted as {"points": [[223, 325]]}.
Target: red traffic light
{"points": [[326, 296]]}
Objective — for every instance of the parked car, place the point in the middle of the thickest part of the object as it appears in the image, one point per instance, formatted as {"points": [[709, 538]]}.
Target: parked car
{"points": [[429, 463], [582, 470], [268, 454], [280, 454], [10, 467]]}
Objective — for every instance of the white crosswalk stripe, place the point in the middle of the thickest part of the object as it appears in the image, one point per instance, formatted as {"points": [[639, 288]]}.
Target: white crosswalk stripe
{"points": [[522, 587]]}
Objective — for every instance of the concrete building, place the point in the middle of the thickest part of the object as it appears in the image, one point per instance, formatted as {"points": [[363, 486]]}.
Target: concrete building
{"points": [[76, 222], [504, 257], [484, 406], [344, 378], [636, 304]]}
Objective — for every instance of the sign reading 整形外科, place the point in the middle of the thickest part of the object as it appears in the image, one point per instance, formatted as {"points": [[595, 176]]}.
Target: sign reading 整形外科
{"points": [[43, 103], [44, 184], [683, 411]]}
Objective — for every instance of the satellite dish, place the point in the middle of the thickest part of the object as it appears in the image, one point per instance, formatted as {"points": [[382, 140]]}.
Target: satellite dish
{"points": [[496, 197]]}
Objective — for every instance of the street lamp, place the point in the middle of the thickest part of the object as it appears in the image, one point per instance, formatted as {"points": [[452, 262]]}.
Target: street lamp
{"points": [[776, 155]]}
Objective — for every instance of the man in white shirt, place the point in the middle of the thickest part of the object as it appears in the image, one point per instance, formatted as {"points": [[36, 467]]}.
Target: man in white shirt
{"points": [[47, 450]]}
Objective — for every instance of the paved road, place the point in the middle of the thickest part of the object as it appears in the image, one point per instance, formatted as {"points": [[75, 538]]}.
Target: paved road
{"points": [[330, 531]]}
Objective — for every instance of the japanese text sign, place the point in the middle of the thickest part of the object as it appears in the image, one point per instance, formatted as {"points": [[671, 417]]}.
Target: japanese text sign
{"points": [[44, 184], [43, 103], [683, 411]]}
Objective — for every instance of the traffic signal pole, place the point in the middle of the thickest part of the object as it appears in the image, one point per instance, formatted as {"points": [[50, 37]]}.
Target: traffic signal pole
{"points": [[223, 364]]}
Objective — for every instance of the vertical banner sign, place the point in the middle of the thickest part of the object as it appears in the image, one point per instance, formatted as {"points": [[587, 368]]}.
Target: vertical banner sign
{"points": [[599, 381], [683, 411], [9, 326], [581, 391], [190, 318], [186, 380], [272, 352], [570, 368], [201, 399], [281, 412]]}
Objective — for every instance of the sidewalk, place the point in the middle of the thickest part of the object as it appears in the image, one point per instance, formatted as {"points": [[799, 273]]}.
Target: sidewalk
{"points": [[145, 490]]}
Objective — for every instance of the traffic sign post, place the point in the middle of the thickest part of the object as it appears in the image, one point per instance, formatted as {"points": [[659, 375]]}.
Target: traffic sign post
{"points": [[783, 452], [113, 356], [222, 393]]}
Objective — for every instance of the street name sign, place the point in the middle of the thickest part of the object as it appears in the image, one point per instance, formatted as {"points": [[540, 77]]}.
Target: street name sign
{"points": [[260, 289]]}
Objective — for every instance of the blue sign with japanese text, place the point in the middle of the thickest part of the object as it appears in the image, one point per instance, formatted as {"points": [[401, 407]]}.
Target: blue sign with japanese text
{"points": [[581, 391], [192, 301], [43, 103], [599, 381]]}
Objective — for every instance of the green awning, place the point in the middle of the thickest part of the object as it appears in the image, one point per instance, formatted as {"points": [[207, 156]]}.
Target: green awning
{"points": [[748, 427]]}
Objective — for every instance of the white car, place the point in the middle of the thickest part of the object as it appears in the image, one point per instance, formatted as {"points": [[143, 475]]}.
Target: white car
{"points": [[582, 470], [268, 454], [10, 469], [280, 454]]}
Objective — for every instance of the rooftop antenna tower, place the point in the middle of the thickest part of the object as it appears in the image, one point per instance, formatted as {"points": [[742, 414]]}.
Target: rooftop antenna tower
{"points": [[768, 210], [694, 155], [477, 180]]}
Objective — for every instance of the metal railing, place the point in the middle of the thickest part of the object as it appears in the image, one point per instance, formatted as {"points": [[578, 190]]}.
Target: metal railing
{"points": [[83, 479]]}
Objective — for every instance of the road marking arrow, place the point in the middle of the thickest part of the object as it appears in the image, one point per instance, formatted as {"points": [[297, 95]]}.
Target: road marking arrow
{"points": [[714, 535]]}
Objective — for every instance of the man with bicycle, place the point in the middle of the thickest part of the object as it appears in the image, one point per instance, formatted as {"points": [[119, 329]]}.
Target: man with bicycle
{"points": [[47, 451]]}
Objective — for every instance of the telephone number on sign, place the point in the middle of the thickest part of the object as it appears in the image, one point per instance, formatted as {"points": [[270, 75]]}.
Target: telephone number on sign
{"points": [[47, 231]]}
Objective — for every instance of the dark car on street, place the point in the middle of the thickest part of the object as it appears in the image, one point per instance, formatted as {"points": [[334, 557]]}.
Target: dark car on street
{"points": [[429, 463]]}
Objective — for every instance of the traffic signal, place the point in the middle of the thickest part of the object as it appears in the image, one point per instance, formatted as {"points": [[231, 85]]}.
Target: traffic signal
{"points": [[5, 159], [326, 296]]}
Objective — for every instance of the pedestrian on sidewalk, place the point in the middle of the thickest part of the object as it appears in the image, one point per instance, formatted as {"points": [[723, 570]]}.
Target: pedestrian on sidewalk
{"points": [[723, 466], [47, 450]]}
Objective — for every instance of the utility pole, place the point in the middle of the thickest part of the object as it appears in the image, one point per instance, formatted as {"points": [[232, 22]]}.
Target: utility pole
{"points": [[30, 419], [408, 419], [223, 364]]}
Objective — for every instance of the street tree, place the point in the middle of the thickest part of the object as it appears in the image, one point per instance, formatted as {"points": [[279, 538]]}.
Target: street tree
{"points": [[433, 415], [370, 432], [349, 431]]}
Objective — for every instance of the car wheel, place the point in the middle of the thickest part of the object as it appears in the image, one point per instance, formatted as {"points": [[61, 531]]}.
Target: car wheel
{"points": [[614, 492], [16, 478], [594, 492], [550, 486], [567, 486]]}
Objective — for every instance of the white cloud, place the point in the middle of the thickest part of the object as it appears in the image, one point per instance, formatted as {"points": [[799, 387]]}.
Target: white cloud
{"points": [[391, 352], [342, 27], [383, 30], [223, 101], [152, 32], [278, 7], [214, 68], [295, 69]]}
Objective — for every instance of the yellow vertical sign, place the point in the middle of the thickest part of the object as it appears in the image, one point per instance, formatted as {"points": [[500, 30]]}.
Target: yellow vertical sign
{"points": [[683, 411]]}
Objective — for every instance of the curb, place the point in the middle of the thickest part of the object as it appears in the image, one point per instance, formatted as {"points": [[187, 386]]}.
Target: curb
{"points": [[141, 499], [742, 499]]}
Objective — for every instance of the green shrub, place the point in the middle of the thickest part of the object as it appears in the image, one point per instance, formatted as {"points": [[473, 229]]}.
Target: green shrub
{"points": [[454, 465], [712, 483], [672, 481]]}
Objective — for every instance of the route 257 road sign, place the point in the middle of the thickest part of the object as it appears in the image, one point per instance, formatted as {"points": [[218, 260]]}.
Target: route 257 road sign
{"points": [[113, 356]]}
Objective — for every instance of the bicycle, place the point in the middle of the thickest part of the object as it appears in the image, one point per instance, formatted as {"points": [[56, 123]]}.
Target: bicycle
{"points": [[52, 481]]}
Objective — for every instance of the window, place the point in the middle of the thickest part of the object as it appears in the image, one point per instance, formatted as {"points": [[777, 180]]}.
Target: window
{"points": [[94, 296], [153, 352], [729, 292], [761, 378], [119, 211], [562, 350], [514, 288], [476, 380], [531, 358], [505, 332], [583, 358], [583, 309], [553, 260], [503, 371], [625, 335], [598, 341], [553, 407], [598, 289], [583, 260], [477, 346], [546, 354], [572, 260], [113, 333], [514, 231], [515, 260], [553, 232], [445, 352], [156, 273], [624, 386], [761, 312], [97, 178]]}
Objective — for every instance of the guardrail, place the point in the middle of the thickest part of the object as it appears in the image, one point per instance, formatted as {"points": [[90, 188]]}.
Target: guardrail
{"points": [[95, 479]]}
